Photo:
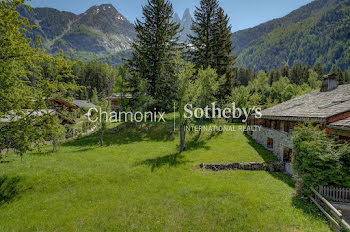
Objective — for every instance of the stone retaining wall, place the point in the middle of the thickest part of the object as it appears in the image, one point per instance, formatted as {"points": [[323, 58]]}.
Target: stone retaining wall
{"points": [[253, 166]]}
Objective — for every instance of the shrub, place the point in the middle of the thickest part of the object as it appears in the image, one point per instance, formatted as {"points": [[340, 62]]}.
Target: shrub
{"points": [[87, 125], [318, 159]]}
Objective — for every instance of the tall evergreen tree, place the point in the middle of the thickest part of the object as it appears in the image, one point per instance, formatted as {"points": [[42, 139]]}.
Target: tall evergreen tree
{"points": [[154, 52], [203, 28], [212, 44], [338, 73], [222, 53], [319, 70]]}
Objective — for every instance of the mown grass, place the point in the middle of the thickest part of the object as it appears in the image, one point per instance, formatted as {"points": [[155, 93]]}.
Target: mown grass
{"points": [[139, 182]]}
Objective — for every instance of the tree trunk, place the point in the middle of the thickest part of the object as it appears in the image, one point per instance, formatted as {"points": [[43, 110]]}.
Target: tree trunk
{"points": [[200, 127], [101, 136], [181, 142], [182, 138]]}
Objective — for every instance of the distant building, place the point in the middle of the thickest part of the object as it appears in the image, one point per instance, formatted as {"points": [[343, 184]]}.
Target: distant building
{"points": [[329, 107], [83, 103], [116, 99], [56, 107]]}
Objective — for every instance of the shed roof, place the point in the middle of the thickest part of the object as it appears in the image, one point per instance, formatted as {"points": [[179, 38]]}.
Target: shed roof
{"points": [[316, 105], [83, 103]]}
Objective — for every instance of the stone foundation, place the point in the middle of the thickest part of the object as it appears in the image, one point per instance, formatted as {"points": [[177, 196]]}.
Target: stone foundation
{"points": [[281, 140]]}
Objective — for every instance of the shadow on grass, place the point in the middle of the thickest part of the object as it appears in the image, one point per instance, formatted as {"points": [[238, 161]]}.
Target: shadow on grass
{"points": [[127, 135], [287, 179], [42, 153], [9, 188], [195, 144], [171, 160], [175, 159], [297, 202], [309, 209], [266, 155]]}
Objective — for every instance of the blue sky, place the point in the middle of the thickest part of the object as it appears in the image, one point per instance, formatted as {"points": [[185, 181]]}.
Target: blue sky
{"points": [[243, 13]]}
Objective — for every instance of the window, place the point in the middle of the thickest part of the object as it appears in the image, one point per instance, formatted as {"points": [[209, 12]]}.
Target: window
{"points": [[268, 124], [287, 155], [269, 142], [277, 125], [286, 126]]}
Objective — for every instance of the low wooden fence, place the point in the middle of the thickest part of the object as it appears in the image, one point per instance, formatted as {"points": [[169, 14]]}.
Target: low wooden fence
{"points": [[334, 215], [335, 194]]}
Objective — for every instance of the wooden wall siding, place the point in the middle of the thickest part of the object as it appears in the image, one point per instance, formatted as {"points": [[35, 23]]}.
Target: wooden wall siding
{"points": [[338, 117]]}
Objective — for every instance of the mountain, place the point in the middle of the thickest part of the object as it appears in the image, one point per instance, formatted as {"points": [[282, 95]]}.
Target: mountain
{"points": [[98, 33], [316, 32], [185, 25]]}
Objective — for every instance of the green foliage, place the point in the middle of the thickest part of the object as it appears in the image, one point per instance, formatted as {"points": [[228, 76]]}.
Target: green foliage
{"points": [[267, 91], [95, 75], [319, 160], [317, 32], [86, 125], [313, 80], [122, 86], [185, 90], [203, 40], [206, 87], [27, 78], [94, 97], [212, 44], [154, 51], [55, 132]]}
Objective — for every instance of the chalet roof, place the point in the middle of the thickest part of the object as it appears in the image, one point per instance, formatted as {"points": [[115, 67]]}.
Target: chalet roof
{"points": [[83, 103], [316, 105], [120, 95], [13, 116], [63, 102], [342, 124]]}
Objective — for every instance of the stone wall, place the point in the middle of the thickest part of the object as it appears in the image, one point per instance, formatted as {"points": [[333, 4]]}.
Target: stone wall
{"points": [[253, 166], [281, 140]]}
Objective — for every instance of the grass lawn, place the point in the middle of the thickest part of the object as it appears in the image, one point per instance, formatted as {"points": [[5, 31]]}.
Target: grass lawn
{"points": [[138, 182]]}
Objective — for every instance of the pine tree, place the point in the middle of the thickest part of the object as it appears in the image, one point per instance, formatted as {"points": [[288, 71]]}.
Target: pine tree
{"points": [[212, 44], [285, 71], [319, 70], [223, 48], [203, 28], [94, 98], [338, 73], [154, 52]]}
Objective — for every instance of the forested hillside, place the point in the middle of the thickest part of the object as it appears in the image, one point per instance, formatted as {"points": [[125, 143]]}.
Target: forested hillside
{"points": [[317, 32]]}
